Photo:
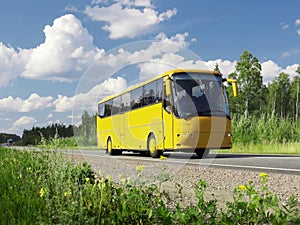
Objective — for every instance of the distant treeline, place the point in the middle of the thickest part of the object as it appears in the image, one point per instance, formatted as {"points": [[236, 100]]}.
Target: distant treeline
{"points": [[85, 132], [4, 137], [34, 136]]}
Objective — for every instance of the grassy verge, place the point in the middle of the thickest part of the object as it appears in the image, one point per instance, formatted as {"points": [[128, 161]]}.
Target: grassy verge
{"points": [[264, 130], [270, 148], [45, 188]]}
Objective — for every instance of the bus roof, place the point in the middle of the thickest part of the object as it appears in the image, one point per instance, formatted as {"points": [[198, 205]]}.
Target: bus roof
{"points": [[166, 74]]}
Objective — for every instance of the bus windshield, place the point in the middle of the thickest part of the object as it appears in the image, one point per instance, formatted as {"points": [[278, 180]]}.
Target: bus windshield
{"points": [[199, 94]]}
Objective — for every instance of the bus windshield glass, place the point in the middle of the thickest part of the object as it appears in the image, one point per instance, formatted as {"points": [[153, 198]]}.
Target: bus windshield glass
{"points": [[199, 94]]}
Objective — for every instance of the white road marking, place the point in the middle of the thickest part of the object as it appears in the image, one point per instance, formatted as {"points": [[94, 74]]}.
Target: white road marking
{"points": [[200, 164]]}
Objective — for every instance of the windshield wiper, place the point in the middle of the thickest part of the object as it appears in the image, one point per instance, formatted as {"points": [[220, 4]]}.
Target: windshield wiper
{"points": [[211, 111], [204, 112]]}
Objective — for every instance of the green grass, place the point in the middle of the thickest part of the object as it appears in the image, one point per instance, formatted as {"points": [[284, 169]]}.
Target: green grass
{"points": [[266, 130], [270, 148], [265, 135], [46, 188]]}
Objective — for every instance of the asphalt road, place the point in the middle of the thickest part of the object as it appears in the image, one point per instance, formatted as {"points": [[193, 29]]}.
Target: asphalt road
{"points": [[287, 164]]}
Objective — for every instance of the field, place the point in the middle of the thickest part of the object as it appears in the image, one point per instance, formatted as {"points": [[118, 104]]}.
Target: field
{"points": [[46, 188]]}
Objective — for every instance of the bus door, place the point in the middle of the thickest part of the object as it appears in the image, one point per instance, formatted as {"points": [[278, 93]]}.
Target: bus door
{"points": [[167, 116]]}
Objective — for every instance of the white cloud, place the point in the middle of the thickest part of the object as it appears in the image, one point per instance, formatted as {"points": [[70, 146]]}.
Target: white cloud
{"points": [[128, 21], [67, 51], [63, 103], [33, 102], [284, 26], [226, 67], [88, 101], [291, 70], [10, 64], [290, 53], [139, 52], [95, 2], [297, 23], [177, 39], [137, 3], [269, 70], [24, 122]]}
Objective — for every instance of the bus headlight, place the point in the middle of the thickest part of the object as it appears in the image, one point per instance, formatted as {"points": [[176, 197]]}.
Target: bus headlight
{"points": [[227, 135]]}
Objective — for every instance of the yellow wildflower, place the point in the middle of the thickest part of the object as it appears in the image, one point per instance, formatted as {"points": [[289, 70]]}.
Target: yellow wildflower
{"points": [[163, 157], [66, 193], [264, 175], [42, 192], [140, 168], [243, 187]]}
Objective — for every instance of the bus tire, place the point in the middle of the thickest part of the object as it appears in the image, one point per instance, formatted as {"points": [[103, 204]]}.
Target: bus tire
{"points": [[109, 148], [153, 152], [202, 153]]}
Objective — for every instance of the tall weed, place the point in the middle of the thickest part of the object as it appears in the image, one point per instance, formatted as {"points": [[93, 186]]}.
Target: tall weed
{"points": [[267, 129]]}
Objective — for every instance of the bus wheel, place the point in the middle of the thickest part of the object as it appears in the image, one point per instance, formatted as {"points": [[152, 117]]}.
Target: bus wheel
{"points": [[202, 153], [154, 153], [109, 148]]}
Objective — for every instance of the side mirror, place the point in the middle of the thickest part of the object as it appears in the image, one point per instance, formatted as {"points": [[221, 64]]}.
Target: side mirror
{"points": [[234, 87]]}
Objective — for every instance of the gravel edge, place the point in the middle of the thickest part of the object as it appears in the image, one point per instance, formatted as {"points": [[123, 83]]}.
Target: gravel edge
{"points": [[181, 184]]}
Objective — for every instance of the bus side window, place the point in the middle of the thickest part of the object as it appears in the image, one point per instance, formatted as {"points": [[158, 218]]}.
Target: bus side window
{"points": [[116, 105], [107, 108], [149, 93], [159, 90], [136, 98], [125, 105], [101, 110]]}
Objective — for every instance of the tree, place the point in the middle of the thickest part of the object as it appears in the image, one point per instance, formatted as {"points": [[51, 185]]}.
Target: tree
{"points": [[280, 95], [88, 127], [248, 75], [295, 89]]}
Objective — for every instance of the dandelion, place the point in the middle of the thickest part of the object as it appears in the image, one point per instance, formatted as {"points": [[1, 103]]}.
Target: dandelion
{"points": [[243, 187], [66, 194], [140, 168], [163, 157], [263, 175], [42, 192]]}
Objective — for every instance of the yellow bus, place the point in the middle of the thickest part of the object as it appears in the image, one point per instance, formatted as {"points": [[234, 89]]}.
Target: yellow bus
{"points": [[180, 110]]}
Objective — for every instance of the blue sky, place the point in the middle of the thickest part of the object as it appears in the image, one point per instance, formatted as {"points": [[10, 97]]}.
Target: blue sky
{"points": [[58, 58]]}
